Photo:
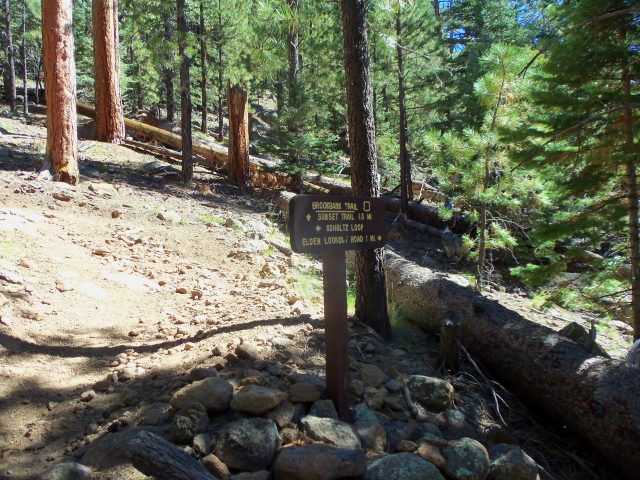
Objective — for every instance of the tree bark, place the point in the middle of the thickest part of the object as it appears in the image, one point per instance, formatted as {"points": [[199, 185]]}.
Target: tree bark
{"points": [[594, 397], [168, 74], [156, 457], [293, 40], [371, 299], [406, 184], [220, 37], [238, 134], [10, 74], [109, 114], [185, 94], [203, 68], [24, 58], [632, 200], [60, 91]]}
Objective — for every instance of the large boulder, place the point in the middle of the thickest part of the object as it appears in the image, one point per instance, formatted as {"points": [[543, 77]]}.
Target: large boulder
{"points": [[249, 444], [433, 393], [330, 431], [319, 462], [467, 459], [214, 393], [510, 462], [402, 466], [256, 399]]}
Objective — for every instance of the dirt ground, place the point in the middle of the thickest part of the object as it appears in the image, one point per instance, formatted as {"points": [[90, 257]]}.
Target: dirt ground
{"points": [[134, 273]]}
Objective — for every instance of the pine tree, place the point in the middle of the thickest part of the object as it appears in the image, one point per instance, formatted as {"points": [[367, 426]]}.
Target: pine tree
{"points": [[60, 89], [10, 73], [585, 138], [371, 298]]}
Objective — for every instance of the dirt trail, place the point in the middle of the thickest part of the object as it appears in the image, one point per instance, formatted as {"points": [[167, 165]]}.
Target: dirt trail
{"points": [[85, 294]]}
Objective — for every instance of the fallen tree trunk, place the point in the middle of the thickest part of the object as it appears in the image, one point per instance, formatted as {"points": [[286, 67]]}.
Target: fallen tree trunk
{"points": [[160, 459], [596, 398]]}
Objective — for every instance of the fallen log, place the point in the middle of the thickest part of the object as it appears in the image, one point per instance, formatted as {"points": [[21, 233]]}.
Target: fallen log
{"points": [[594, 397], [160, 459]]}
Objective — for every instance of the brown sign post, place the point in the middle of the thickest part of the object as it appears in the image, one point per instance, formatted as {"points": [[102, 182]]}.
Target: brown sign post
{"points": [[331, 225]]}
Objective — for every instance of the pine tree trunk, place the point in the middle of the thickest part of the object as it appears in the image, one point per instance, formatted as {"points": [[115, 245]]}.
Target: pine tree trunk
{"points": [[220, 38], [38, 83], [406, 184], [203, 68], [10, 74], [168, 86], [482, 230], [294, 58], [632, 200], [24, 58], [168, 74], [109, 114], [238, 163], [371, 298], [436, 8], [60, 90], [185, 94]]}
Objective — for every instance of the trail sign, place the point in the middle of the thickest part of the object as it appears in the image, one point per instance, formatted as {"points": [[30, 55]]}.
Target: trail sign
{"points": [[329, 222], [330, 225]]}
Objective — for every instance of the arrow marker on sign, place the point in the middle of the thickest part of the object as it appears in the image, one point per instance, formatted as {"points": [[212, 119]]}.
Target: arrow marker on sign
{"points": [[318, 228], [308, 217]]}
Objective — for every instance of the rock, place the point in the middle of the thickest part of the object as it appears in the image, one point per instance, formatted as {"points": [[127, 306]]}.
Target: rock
{"points": [[292, 435], [318, 382], [362, 413], [116, 214], [200, 373], [622, 327], [433, 455], [155, 416], [432, 435], [374, 397], [188, 422], [433, 393], [103, 189], [372, 435], [392, 385], [249, 444], [324, 409], [357, 387], [330, 431], [398, 431], [234, 223], [457, 424], [202, 444], [406, 446], [214, 393], [247, 351], [172, 217], [372, 376], [580, 335], [466, 459], [87, 396], [126, 374], [68, 471], [402, 466], [319, 462], [260, 475], [396, 402], [303, 392], [286, 414], [510, 462], [281, 342], [216, 467], [256, 399], [63, 197]]}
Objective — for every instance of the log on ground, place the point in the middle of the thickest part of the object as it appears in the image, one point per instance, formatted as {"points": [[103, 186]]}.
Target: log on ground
{"points": [[596, 398], [160, 459]]}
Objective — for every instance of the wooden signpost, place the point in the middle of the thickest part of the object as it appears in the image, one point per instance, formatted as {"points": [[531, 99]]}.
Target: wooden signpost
{"points": [[330, 225]]}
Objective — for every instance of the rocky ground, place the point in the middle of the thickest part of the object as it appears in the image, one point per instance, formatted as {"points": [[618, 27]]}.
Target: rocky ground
{"points": [[132, 305]]}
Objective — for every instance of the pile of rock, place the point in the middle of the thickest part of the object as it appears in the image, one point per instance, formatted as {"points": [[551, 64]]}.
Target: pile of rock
{"points": [[276, 425]]}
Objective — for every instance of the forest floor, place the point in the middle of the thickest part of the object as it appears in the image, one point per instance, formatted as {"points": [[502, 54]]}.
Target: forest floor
{"points": [[134, 273]]}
